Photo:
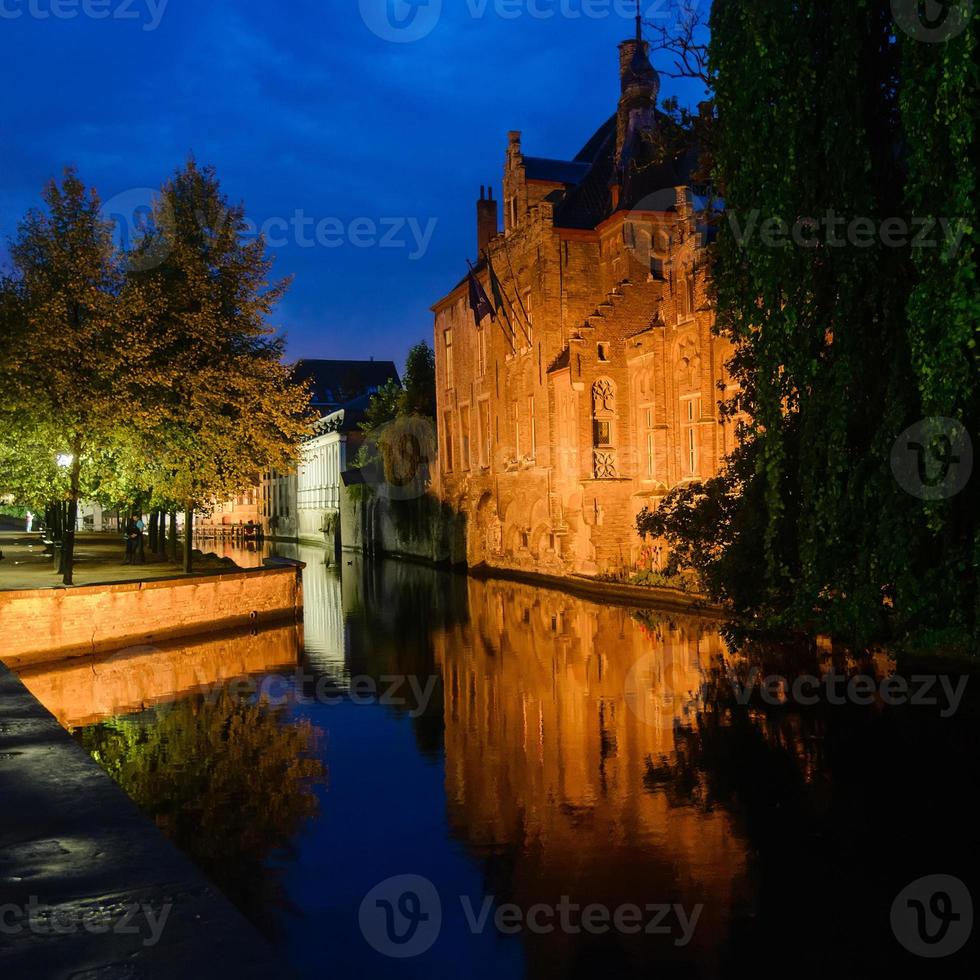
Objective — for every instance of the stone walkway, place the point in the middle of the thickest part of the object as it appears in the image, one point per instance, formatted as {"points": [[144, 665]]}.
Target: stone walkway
{"points": [[98, 560], [90, 887]]}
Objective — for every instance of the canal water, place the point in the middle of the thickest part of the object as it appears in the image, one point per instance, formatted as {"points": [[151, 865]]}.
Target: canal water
{"points": [[438, 776]]}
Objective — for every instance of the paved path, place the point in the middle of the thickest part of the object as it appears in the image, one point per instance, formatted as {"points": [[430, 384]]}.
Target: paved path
{"points": [[89, 887], [98, 559]]}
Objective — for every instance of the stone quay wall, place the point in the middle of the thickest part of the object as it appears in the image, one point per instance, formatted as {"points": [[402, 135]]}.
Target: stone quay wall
{"points": [[39, 625]]}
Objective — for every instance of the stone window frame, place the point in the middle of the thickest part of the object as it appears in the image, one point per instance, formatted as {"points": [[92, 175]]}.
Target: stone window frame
{"points": [[691, 413], [481, 351], [485, 455], [447, 431], [465, 437], [448, 359]]}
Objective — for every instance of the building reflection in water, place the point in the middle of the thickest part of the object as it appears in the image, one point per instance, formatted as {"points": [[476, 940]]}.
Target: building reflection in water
{"points": [[86, 690], [555, 711]]}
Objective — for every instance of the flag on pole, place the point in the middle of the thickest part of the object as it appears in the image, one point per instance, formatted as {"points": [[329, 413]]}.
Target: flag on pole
{"points": [[479, 301], [499, 303]]}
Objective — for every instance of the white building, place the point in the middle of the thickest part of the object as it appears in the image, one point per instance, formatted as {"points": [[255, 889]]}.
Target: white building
{"points": [[305, 506], [318, 480]]}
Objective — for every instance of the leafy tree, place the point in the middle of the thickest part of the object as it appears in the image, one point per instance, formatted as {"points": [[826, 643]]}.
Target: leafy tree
{"points": [[64, 381], [938, 102], [398, 427], [223, 403], [420, 382], [826, 112]]}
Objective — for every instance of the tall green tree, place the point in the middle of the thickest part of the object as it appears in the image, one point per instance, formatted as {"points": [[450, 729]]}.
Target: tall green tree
{"points": [[223, 404], [834, 129], [399, 432], [66, 367], [420, 381], [939, 97]]}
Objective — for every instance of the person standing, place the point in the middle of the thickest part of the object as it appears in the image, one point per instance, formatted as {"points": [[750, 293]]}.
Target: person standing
{"points": [[139, 555], [131, 534], [30, 521]]}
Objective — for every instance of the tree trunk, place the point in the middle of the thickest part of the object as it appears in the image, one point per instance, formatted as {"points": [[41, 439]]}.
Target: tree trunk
{"points": [[154, 523], [173, 536], [162, 537], [72, 518], [62, 512], [188, 537]]}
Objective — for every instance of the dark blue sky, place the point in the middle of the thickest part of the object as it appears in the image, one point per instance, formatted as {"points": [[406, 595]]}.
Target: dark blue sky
{"points": [[310, 117]]}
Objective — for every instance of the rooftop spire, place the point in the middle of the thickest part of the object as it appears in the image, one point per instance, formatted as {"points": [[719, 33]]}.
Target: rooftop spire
{"points": [[639, 24]]}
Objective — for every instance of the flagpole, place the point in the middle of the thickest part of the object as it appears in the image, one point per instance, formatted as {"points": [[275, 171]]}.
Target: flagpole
{"points": [[505, 297], [517, 292], [493, 315]]}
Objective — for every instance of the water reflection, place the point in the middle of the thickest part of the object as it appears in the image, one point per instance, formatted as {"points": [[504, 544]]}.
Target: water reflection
{"points": [[550, 730], [229, 780], [86, 690], [550, 749]]}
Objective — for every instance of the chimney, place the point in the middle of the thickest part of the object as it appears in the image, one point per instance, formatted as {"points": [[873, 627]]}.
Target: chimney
{"points": [[486, 219]]}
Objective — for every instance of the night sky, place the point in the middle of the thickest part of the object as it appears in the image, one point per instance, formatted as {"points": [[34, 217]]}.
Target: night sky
{"points": [[311, 118]]}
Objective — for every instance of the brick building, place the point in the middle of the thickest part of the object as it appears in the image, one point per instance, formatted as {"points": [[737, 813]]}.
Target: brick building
{"points": [[602, 393]]}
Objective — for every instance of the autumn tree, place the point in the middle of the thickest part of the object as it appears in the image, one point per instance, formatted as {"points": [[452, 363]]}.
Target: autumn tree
{"points": [[224, 406], [66, 366]]}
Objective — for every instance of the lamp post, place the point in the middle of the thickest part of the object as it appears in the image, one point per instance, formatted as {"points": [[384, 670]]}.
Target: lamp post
{"points": [[71, 462]]}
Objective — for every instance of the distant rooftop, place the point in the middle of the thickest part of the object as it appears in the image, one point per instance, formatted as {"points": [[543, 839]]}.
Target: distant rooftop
{"points": [[337, 383]]}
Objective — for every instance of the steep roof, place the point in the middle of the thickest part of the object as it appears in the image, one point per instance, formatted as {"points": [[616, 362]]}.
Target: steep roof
{"points": [[335, 383], [589, 203], [555, 171]]}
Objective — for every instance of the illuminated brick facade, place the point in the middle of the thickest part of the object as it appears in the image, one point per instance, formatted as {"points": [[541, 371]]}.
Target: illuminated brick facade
{"points": [[605, 394]]}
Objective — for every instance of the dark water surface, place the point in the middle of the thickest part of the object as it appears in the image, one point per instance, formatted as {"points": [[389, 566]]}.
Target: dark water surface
{"points": [[586, 773]]}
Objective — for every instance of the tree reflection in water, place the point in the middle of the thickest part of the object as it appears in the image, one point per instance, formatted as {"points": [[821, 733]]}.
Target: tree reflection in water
{"points": [[228, 779], [839, 804]]}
